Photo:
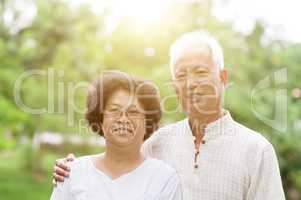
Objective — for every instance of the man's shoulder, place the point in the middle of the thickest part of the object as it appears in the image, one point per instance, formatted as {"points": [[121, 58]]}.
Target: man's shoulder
{"points": [[164, 133], [171, 128], [249, 137], [162, 139]]}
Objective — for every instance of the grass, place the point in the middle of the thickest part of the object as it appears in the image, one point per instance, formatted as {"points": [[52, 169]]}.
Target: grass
{"points": [[17, 183]]}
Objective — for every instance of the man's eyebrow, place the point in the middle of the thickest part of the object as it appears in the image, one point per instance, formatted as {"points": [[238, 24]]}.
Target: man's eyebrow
{"points": [[188, 67], [179, 71], [201, 68]]}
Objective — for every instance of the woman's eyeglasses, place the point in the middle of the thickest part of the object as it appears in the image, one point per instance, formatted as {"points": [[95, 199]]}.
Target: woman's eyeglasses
{"points": [[130, 113]]}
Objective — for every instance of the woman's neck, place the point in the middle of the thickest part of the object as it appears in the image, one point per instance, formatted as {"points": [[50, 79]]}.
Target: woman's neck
{"points": [[122, 156], [117, 161]]}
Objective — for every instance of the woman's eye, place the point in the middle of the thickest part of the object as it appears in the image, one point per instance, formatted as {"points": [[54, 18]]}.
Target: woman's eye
{"points": [[113, 110], [133, 111]]}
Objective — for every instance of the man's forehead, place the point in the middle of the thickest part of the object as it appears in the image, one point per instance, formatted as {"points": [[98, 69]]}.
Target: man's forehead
{"points": [[195, 59], [192, 65]]}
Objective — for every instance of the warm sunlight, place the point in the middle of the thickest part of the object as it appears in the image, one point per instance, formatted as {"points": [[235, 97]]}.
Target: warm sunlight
{"points": [[141, 10], [137, 10]]}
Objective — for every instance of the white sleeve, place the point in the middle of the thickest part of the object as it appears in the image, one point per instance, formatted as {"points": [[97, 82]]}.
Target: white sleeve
{"points": [[265, 177], [173, 189], [147, 146], [62, 191], [154, 145]]}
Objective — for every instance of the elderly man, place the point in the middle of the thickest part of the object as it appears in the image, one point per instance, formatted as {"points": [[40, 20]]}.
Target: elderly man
{"points": [[216, 157]]}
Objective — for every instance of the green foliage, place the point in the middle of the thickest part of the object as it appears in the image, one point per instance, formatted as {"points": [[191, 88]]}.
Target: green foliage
{"points": [[77, 46]]}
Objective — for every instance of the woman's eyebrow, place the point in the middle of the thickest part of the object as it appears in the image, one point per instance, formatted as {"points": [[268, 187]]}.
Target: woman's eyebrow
{"points": [[133, 106], [113, 105], [122, 106]]}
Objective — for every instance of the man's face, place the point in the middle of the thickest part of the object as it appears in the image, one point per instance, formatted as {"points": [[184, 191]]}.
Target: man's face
{"points": [[198, 83]]}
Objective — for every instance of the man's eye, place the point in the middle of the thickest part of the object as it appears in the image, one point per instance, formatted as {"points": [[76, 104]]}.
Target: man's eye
{"points": [[181, 76], [200, 72]]}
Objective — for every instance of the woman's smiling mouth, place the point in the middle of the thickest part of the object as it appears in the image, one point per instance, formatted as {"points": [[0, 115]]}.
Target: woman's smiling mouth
{"points": [[123, 131]]}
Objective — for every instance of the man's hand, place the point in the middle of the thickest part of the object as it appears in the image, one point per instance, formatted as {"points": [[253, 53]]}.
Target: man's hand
{"points": [[61, 169]]}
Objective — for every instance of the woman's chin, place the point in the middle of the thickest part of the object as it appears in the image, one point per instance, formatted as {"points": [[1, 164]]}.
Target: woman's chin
{"points": [[124, 138]]}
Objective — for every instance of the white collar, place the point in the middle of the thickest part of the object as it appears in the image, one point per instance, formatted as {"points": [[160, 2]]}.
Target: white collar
{"points": [[215, 128]]}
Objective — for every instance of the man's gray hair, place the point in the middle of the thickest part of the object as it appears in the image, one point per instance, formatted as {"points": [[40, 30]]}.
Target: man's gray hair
{"points": [[193, 39]]}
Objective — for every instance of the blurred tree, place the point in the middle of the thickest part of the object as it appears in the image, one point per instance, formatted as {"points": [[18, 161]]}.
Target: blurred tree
{"points": [[76, 44]]}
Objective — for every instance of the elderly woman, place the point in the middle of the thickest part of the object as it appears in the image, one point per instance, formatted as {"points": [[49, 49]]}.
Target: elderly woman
{"points": [[126, 111]]}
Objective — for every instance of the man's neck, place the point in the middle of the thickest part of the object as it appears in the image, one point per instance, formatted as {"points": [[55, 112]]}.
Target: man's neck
{"points": [[198, 124]]}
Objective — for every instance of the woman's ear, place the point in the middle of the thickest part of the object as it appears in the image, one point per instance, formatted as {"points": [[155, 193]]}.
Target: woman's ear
{"points": [[224, 76], [103, 131]]}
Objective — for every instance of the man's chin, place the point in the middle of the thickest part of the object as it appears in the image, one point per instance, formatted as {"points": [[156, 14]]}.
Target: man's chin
{"points": [[197, 112]]}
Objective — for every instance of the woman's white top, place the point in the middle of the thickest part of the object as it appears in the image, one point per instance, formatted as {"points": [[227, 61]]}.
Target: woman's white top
{"points": [[151, 180]]}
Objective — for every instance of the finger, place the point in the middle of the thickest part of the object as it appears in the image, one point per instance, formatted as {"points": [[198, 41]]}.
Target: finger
{"points": [[54, 183], [58, 178], [62, 164], [60, 171], [70, 157]]}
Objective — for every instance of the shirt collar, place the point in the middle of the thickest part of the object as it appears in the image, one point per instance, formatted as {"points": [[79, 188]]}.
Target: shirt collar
{"points": [[218, 127]]}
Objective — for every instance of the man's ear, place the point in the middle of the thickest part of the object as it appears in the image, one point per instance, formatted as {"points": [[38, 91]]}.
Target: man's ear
{"points": [[224, 76], [173, 83]]}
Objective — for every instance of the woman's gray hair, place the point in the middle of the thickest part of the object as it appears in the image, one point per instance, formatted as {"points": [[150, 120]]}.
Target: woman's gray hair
{"points": [[193, 39]]}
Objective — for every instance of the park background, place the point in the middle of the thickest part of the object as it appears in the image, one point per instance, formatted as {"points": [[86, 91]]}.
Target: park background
{"points": [[74, 41]]}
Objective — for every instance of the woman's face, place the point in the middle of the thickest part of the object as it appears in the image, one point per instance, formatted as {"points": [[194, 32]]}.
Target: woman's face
{"points": [[124, 121]]}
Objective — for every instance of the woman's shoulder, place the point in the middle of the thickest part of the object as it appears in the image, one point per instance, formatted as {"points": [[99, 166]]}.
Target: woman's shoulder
{"points": [[161, 174], [81, 163], [161, 167]]}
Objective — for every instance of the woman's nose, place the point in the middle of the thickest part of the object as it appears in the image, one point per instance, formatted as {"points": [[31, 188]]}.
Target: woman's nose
{"points": [[123, 118]]}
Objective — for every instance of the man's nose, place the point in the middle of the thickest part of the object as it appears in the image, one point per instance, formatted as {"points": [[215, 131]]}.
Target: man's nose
{"points": [[191, 84]]}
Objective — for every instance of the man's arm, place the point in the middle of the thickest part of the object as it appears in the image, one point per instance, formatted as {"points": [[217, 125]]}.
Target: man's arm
{"points": [[265, 177], [61, 169]]}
